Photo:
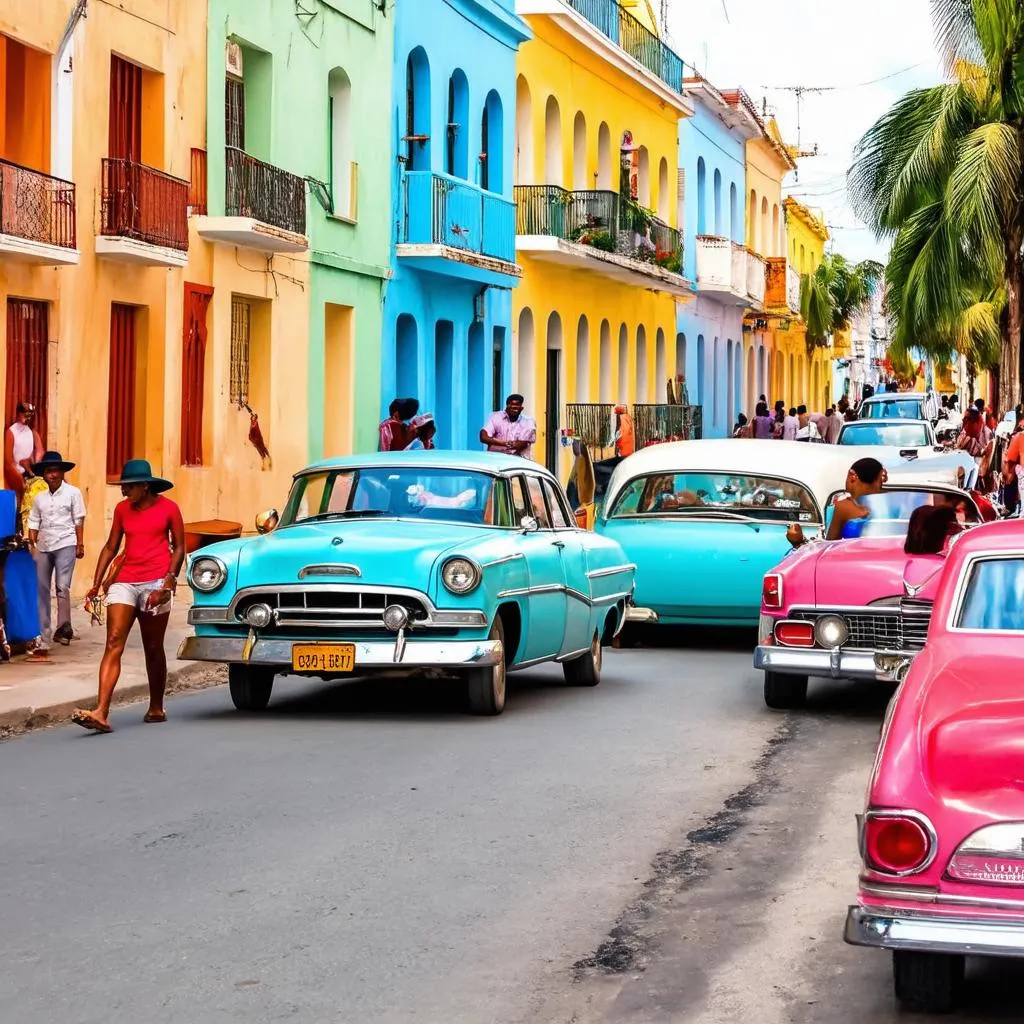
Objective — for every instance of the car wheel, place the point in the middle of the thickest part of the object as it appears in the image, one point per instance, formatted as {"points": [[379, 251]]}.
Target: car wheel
{"points": [[485, 687], [585, 670], [928, 982], [250, 687], [783, 692]]}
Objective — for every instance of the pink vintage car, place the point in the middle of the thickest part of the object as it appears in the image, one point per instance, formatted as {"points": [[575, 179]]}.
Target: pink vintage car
{"points": [[942, 838], [856, 608]]}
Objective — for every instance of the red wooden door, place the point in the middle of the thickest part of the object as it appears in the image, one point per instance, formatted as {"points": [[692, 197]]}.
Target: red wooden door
{"points": [[28, 338], [125, 132], [193, 373], [121, 389]]}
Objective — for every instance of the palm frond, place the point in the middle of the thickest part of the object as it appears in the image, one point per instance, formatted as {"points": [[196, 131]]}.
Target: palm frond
{"points": [[984, 181]]}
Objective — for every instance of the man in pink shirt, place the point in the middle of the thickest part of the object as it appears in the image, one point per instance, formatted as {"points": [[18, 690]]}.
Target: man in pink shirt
{"points": [[510, 431]]}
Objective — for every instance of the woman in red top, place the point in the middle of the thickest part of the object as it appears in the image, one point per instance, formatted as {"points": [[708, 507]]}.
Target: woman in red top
{"points": [[143, 587]]}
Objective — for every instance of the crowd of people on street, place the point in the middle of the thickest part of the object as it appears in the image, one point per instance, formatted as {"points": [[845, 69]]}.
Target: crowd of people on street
{"points": [[795, 423]]}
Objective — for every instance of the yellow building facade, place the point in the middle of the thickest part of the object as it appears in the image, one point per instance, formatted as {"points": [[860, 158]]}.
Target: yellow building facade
{"points": [[594, 317], [120, 318]]}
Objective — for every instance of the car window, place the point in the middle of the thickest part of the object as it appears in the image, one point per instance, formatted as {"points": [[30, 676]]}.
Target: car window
{"points": [[891, 510], [904, 435], [501, 511], [559, 515], [994, 597], [540, 509], [892, 409], [520, 501], [699, 492]]}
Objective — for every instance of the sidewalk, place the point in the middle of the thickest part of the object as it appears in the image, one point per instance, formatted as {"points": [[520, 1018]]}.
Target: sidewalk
{"points": [[34, 695]]}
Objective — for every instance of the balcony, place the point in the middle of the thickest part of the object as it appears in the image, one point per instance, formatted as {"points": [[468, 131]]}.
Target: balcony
{"points": [[37, 217], [450, 226], [782, 286], [265, 207], [595, 230], [722, 269], [756, 282], [143, 216]]}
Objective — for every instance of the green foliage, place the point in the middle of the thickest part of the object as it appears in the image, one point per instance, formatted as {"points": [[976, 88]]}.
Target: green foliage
{"points": [[834, 293]]}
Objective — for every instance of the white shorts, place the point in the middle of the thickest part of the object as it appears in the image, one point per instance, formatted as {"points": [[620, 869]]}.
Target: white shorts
{"points": [[135, 595]]}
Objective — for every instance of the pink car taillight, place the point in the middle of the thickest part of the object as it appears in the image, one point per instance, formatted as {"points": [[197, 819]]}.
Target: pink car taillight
{"points": [[896, 843], [771, 591], [794, 634], [993, 855]]}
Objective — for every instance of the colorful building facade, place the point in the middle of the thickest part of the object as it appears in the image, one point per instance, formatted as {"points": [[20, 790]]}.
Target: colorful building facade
{"points": [[729, 278], [448, 310], [598, 100]]}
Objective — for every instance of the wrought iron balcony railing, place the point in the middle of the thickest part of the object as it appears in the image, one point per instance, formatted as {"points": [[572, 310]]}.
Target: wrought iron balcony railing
{"points": [[442, 210], [592, 422], [263, 192], [615, 22], [655, 423], [143, 203], [36, 206]]}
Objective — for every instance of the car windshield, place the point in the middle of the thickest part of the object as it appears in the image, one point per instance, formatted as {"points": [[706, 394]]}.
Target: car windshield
{"points": [[890, 511], [450, 495], [994, 598], [904, 435], [892, 409], [722, 495]]}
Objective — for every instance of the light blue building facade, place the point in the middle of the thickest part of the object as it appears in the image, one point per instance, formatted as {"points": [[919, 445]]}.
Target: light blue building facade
{"points": [[448, 307], [712, 149]]}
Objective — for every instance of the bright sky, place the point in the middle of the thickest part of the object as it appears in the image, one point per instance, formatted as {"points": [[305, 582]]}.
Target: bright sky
{"points": [[754, 44]]}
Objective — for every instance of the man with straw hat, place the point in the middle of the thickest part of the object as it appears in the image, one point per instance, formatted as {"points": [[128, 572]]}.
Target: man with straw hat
{"points": [[56, 522]]}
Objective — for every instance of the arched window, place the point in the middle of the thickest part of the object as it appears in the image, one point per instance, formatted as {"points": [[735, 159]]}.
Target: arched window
{"points": [[582, 360], [553, 162], [457, 129], [702, 186], [730, 394], [752, 394], [718, 202], [526, 361], [776, 249], [604, 158], [660, 368], [663, 194], [417, 111], [643, 178], [795, 386], [752, 221], [492, 153], [642, 367], [680, 354], [803, 260], [579, 151], [623, 395], [733, 223], [605, 364], [525, 170], [765, 238], [339, 122], [716, 384], [406, 359], [700, 369]]}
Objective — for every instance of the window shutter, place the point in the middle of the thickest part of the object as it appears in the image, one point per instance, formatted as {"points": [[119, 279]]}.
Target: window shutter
{"points": [[121, 389], [28, 336], [241, 330], [193, 373]]}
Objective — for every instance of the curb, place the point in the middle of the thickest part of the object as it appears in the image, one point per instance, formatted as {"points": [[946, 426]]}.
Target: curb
{"points": [[194, 676]]}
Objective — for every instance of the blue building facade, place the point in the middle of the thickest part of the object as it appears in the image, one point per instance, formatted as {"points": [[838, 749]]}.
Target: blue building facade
{"points": [[448, 307], [712, 150]]}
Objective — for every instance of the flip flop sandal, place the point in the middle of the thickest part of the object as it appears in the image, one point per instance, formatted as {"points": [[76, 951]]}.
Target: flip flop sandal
{"points": [[154, 718], [86, 721]]}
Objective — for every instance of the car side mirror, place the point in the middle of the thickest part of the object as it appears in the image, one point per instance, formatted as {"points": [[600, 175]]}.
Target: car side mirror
{"points": [[529, 525], [266, 522]]}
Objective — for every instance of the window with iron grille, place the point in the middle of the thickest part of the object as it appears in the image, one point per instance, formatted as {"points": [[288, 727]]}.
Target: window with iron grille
{"points": [[234, 112], [241, 330], [485, 131], [193, 373], [121, 387], [27, 345]]}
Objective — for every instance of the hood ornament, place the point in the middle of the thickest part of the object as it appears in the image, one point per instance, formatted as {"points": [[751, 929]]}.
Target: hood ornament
{"points": [[911, 589]]}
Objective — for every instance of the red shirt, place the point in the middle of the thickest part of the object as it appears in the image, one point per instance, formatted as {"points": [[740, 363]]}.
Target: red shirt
{"points": [[147, 539]]}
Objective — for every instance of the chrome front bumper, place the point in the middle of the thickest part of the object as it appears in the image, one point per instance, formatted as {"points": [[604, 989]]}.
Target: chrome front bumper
{"points": [[374, 655], [900, 929], [814, 661]]}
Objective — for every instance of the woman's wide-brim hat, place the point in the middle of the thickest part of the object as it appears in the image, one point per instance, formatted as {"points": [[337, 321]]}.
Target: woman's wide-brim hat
{"points": [[139, 471], [52, 460]]}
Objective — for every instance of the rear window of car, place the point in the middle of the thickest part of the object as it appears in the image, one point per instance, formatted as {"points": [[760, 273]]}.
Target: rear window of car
{"points": [[702, 494], [905, 435], [994, 596], [894, 409]]}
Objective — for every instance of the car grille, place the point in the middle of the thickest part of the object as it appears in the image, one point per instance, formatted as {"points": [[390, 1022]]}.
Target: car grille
{"points": [[331, 608], [905, 629]]}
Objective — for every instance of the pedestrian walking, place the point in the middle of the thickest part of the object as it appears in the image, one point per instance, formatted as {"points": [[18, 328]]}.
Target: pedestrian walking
{"points": [[833, 424], [510, 431], [56, 523], [790, 425], [142, 589], [22, 448], [763, 422]]}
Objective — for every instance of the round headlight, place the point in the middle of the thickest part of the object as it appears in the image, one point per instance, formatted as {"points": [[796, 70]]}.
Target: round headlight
{"points": [[460, 575], [831, 631], [396, 617], [207, 573], [259, 615]]}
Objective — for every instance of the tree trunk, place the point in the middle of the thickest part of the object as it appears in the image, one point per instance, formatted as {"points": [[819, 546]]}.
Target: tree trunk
{"points": [[1010, 358]]}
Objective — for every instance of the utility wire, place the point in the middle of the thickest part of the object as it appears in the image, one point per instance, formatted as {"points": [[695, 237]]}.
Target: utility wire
{"points": [[836, 88]]}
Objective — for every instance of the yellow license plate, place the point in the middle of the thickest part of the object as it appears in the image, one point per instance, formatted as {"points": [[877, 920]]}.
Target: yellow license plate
{"points": [[333, 658]]}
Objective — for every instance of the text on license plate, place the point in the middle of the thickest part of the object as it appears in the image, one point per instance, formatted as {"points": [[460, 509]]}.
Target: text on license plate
{"points": [[323, 657]]}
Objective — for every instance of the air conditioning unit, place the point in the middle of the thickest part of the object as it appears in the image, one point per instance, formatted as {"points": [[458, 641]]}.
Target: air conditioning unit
{"points": [[233, 60]]}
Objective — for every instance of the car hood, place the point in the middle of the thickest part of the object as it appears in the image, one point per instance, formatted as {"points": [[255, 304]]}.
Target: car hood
{"points": [[858, 572], [383, 551]]}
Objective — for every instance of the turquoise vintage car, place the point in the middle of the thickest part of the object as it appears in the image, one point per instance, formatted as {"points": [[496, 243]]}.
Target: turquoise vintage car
{"points": [[423, 562]]}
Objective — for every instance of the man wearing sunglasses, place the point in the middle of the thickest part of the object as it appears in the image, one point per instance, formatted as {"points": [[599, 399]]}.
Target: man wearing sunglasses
{"points": [[22, 448]]}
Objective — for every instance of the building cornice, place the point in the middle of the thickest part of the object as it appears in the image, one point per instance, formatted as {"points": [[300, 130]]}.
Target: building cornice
{"points": [[739, 120], [794, 208], [505, 26]]}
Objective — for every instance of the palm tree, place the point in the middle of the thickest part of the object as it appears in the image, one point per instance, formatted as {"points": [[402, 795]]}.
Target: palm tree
{"points": [[834, 293], [942, 175]]}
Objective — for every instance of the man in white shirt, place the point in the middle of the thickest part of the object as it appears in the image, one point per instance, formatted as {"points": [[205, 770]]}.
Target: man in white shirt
{"points": [[56, 524], [510, 431]]}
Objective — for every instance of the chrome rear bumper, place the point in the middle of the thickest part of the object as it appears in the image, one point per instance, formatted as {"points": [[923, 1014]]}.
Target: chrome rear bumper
{"points": [[900, 929], [372, 655], [641, 615], [815, 661]]}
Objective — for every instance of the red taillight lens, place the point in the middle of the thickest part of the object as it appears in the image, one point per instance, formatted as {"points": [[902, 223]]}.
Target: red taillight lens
{"points": [[771, 591], [895, 845], [795, 634]]}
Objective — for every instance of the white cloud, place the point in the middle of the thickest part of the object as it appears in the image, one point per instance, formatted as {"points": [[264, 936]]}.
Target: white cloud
{"points": [[772, 43]]}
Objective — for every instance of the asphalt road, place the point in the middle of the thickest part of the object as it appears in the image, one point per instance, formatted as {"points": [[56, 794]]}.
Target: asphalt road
{"points": [[659, 849]]}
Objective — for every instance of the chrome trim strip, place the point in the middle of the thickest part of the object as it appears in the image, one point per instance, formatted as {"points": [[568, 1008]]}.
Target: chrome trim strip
{"points": [[614, 570], [503, 561], [932, 897], [208, 614], [547, 588], [572, 654], [336, 569], [329, 588], [579, 595], [610, 598], [903, 929]]}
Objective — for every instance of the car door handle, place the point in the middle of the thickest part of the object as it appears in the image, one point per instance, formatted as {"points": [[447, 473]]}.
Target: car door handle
{"points": [[558, 543]]}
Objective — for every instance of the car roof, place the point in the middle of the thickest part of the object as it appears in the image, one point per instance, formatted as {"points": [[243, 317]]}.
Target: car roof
{"points": [[885, 421], [1003, 537], [482, 462], [896, 396]]}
